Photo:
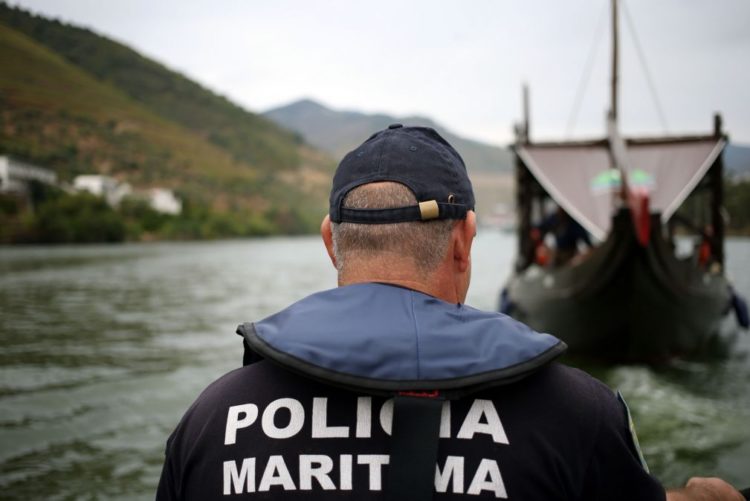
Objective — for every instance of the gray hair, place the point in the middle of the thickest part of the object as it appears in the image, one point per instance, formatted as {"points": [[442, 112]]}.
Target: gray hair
{"points": [[423, 242]]}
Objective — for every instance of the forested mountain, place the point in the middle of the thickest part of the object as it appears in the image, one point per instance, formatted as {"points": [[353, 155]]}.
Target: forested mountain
{"points": [[78, 102], [338, 132]]}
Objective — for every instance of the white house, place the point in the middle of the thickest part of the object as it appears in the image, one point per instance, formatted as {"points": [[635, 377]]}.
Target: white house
{"points": [[113, 191], [109, 188], [15, 176], [164, 201]]}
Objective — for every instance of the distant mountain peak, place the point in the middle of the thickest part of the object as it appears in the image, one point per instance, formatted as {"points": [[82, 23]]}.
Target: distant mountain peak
{"points": [[306, 102], [339, 131]]}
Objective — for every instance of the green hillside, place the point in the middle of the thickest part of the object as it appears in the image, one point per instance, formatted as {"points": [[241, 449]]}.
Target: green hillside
{"points": [[78, 103]]}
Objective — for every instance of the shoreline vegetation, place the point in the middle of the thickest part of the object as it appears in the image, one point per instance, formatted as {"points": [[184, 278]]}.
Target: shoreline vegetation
{"points": [[737, 205], [52, 216]]}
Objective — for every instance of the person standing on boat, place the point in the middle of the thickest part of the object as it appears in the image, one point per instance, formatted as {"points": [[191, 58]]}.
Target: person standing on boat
{"points": [[390, 387], [568, 234]]}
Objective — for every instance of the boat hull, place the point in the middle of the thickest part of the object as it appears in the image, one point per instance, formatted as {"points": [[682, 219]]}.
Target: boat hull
{"points": [[626, 302]]}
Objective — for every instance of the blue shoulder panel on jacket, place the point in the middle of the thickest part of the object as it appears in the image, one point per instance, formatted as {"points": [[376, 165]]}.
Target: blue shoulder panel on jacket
{"points": [[386, 332]]}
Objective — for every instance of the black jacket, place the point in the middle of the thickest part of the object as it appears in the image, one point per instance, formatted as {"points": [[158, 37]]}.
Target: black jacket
{"points": [[538, 430]]}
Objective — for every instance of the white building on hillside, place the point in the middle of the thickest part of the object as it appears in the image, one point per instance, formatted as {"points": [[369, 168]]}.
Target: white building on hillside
{"points": [[15, 176], [109, 188], [165, 201], [113, 191]]}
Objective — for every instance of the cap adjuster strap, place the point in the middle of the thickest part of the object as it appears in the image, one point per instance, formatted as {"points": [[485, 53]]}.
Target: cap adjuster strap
{"points": [[452, 211], [414, 446], [425, 211]]}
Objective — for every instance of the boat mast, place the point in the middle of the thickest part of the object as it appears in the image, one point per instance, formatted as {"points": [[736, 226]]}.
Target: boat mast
{"points": [[526, 115], [524, 189], [716, 181], [636, 199], [615, 50], [617, 147]]}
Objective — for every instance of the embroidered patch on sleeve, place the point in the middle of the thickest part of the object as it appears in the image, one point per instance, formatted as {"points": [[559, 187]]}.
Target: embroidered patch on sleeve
{"points": [[633, 435]]}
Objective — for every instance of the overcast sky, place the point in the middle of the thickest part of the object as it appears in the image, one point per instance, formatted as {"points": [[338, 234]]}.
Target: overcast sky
{"points": [[461, 63]]}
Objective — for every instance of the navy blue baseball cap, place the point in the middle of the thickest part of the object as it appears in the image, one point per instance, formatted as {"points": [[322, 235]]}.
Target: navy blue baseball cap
{"points": [[417, 157]]}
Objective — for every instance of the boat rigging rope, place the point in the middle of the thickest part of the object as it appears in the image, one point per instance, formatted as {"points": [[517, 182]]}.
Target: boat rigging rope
{"points": [[586, 75], [642, 59], [588, 68]]}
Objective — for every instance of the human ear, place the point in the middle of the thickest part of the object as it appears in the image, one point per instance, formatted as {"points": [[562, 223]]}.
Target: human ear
{"points": [[464, 234], [327, 234]]}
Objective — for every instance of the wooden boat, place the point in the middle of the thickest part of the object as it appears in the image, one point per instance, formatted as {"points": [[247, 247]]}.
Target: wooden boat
{"points": [[631, 298]]}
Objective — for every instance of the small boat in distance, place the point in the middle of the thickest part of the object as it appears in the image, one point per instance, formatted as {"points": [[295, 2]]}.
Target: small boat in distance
{"points": [[634, 295]]}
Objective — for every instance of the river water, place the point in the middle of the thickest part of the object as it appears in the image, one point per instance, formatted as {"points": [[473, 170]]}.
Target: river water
{"points": [[104, 347]]}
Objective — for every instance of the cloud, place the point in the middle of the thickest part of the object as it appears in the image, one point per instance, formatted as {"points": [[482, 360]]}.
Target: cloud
{"points": [[461, 63]]}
